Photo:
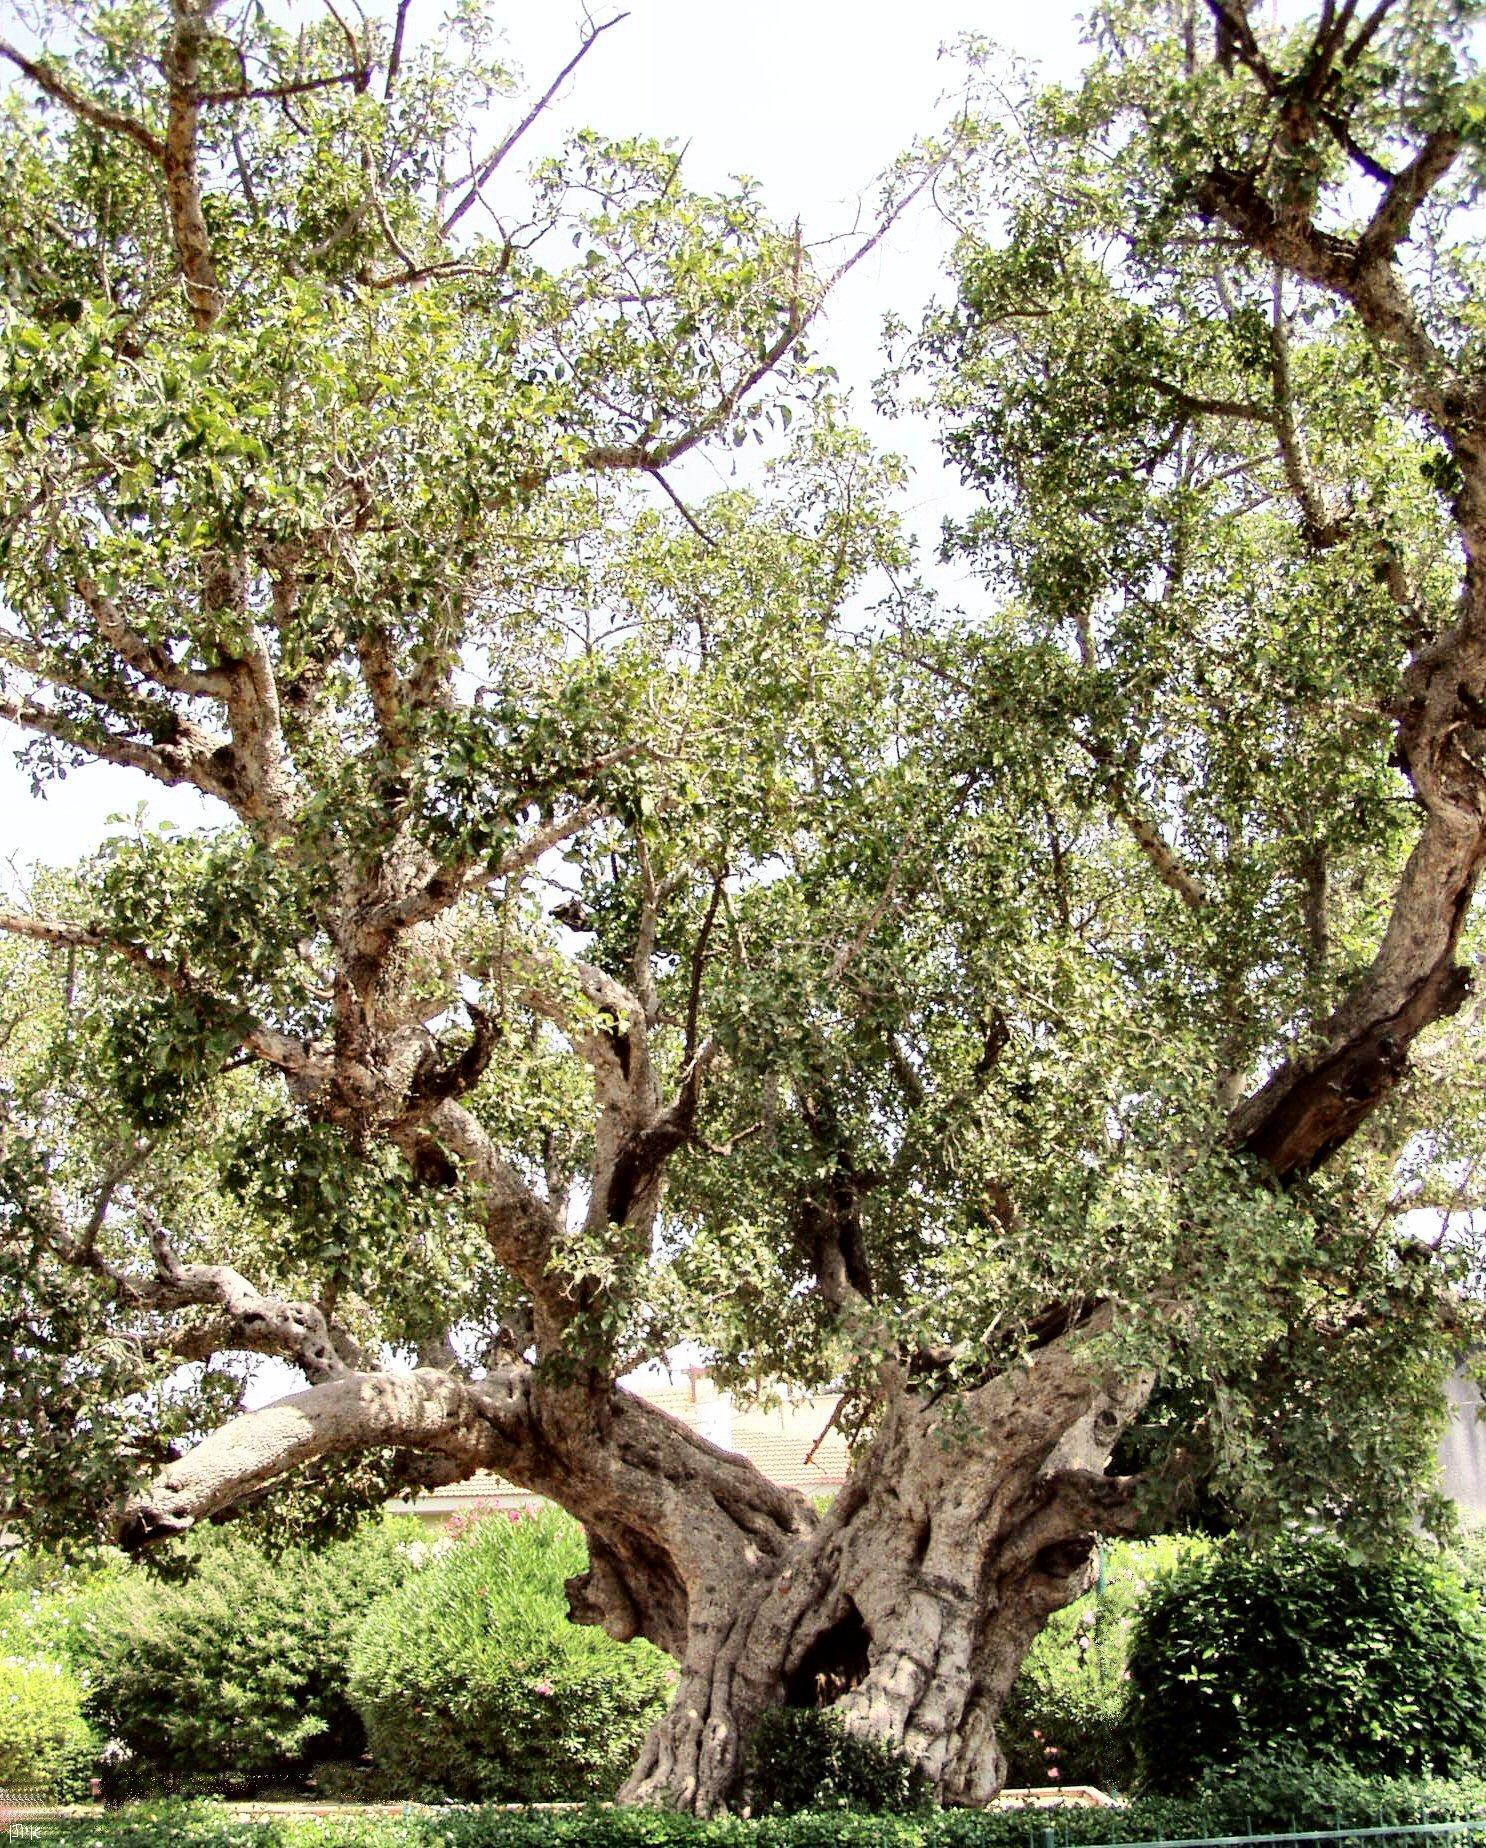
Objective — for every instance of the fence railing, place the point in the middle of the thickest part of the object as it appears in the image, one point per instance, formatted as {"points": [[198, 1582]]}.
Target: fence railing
{"points": [[1379, 1833]]}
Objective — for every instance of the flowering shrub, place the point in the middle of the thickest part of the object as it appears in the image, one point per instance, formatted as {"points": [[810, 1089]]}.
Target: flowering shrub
{"points": [[473, 1682]]}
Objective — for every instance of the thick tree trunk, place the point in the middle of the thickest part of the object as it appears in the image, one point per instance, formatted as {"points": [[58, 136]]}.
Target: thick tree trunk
{"points": [[909, 1605], [912, 1604]]}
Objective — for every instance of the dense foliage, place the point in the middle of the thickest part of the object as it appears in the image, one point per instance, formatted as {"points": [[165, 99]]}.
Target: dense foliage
{"points": [[802, 1758], [47, 1747], [237, 1675], [626, 916], [1267, 1798], [472, 1683], [1310, 1651]]}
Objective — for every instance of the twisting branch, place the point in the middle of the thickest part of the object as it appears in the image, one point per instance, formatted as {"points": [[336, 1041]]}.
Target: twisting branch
{"points": [[252, 1322]]}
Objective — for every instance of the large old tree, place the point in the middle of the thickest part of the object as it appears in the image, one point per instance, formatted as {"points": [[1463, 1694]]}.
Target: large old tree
{"points": [[614, 928]]}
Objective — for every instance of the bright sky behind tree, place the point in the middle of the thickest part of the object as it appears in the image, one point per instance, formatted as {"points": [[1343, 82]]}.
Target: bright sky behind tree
{"points": [[813, 98]]}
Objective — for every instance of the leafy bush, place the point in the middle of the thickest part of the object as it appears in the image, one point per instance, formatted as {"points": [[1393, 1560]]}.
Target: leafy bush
{"points": [[1275, 1796], [1305, 1652], [1065, 1719], [46, 1745], [803, 1758], [1468, 1556], [473, 1682], [1282, 1795], [235, 1677]]}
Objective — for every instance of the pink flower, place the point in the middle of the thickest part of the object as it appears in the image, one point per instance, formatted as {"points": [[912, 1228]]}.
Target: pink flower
{"points": [[544, 1688], [1053, 1771]]}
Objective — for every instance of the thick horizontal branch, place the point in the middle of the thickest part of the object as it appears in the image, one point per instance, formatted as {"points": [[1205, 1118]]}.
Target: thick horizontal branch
{"points": [[427, 1410]]}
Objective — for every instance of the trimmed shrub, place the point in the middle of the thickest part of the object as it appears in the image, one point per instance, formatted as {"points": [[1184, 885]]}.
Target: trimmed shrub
{"points": [[473, 1682], [1304, 1652], [1353, 1801], [47, 1747], [803, 1758], [1065, 1719], [236, 1677]]}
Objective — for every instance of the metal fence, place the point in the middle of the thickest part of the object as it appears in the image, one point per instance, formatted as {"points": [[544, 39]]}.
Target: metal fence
{"points": [[1380, 1834]]}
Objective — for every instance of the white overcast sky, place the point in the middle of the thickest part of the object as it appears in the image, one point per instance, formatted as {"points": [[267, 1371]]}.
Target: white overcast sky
{"points": [[813, 98]]}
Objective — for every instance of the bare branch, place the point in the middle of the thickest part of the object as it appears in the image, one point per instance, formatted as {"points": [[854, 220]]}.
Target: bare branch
{"points": [[272, 92], [145, 657], [653, 457], [487, 168], [194, 757], [394, 57], [681, 507]]}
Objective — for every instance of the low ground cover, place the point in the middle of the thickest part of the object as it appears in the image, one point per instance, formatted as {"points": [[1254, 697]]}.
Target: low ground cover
{"points": [[1257, 1798]]}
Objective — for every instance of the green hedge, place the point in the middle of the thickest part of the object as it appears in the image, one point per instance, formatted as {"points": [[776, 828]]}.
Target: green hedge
{"points": [[473, 1681], [1306, 1650], [235, 1678], [1265, 1797]]}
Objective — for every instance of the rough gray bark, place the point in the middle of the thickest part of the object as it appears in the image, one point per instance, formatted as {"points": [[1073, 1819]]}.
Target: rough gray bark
{"points": [[911, 1604]]}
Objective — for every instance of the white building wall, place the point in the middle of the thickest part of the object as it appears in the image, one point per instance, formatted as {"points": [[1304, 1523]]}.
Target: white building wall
{"points": [[1463, 1448]]}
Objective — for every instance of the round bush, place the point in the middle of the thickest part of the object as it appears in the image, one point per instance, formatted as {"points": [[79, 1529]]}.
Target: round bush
{"points": [[803, 1758], [473, 1682], [1304, 1651], [46, 1746], [235, 1677]]}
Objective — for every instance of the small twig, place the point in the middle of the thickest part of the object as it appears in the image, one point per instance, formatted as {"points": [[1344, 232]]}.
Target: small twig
{"points": [[681, 507]]}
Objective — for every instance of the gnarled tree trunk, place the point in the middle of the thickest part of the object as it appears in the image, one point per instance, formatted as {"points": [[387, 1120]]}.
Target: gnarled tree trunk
{"points": [[908, 1605], [911, 1604]]}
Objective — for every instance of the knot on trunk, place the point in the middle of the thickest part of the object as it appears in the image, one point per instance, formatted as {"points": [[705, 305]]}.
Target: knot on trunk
{"points": [[630, 1589]]}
